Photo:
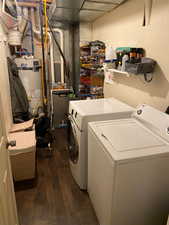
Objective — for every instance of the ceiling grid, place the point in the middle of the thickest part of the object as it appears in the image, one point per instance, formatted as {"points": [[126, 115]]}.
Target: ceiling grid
{"points": [[72, 11]]}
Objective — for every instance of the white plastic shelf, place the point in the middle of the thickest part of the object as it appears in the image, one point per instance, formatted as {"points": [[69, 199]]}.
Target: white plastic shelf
{"points": [[115, 71]]}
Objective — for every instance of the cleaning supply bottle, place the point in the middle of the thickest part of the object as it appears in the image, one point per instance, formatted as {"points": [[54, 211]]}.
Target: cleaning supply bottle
{"points": [[124, 60]]}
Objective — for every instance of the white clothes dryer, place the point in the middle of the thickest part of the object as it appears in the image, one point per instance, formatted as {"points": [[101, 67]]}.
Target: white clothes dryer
{"points": [[80, 113], [128, 168]]}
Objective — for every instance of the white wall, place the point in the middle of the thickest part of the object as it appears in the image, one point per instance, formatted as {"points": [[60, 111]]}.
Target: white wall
{"points": [[123, 27], [85, 31], [4, 80]]}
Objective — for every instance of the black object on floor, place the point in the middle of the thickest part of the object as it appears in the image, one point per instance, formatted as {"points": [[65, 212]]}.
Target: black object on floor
{"points": [[43, 133]]}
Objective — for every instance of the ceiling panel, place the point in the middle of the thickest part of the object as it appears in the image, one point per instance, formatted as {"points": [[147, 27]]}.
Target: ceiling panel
{"points": [[108, 1], [68, 10], [98, 6], [75, 4], [88, 15]]}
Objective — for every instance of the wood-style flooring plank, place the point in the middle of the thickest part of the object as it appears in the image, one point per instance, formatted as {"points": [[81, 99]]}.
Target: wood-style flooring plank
{"points": [[56, 199]]}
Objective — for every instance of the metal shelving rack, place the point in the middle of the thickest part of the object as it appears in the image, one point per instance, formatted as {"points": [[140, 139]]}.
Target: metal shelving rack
{"points": [[91, 72]]}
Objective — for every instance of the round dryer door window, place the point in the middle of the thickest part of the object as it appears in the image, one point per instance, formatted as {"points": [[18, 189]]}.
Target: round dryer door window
{"points": [[73, 146]]}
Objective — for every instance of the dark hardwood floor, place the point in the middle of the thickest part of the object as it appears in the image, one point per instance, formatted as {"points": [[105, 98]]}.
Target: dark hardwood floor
{"points": [[55, 199]]}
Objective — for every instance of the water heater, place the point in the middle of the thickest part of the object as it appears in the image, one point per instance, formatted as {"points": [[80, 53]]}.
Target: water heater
{"points": [[30, 75]]}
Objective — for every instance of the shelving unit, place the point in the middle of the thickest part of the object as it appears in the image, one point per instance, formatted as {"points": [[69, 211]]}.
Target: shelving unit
{"points": [[129, 60], [91, 74]]}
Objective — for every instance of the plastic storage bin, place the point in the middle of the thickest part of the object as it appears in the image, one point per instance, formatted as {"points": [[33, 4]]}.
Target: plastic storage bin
{"points": [[23, 155]]}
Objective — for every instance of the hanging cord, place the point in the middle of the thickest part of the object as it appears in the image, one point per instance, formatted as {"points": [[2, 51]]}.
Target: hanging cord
{"points": [[66, 65]]}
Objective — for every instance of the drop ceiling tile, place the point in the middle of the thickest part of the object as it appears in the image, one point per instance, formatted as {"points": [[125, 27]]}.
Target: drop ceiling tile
{"points": [[74, 4], [68, 10], [98, 6], [107, 1], [89, 16], [118, 1]]}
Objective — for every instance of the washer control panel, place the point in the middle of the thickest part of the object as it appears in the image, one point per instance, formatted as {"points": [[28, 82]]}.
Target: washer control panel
{"points": [[75, 115]]}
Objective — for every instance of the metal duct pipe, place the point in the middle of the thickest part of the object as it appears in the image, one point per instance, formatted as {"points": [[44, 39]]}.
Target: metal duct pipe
{"points": [[51, 52], [34, 26], [37, 32], [15, 35], [19, 15], [22, 18], [61, 45], [51, 57]]}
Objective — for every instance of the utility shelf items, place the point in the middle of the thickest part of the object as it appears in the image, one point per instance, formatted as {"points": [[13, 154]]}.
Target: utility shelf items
{"points": [[129, 61], [92, 56]]}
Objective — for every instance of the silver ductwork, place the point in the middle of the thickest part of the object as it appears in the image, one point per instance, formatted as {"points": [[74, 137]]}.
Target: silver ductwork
{"points": [[22, 18]]}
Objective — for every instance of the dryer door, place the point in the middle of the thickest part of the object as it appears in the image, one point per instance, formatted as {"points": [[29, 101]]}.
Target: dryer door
{"points": [[73, 145]]}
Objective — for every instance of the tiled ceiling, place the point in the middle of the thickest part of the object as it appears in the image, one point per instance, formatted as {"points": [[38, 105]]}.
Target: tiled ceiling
{"points": [[70, 4], [88, 15], [101, 6], [72, 11], [108, 1]]}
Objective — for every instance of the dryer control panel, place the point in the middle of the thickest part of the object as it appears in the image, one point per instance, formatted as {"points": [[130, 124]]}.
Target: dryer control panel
{"points": [[153, 119]]}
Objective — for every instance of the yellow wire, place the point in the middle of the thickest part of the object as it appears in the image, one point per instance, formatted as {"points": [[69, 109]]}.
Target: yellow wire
{"points": [[46, 22], [45, 45]]}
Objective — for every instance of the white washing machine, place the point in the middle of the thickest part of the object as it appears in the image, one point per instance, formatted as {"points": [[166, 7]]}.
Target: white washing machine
{"points": [[128, 168], [80, 113]]}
